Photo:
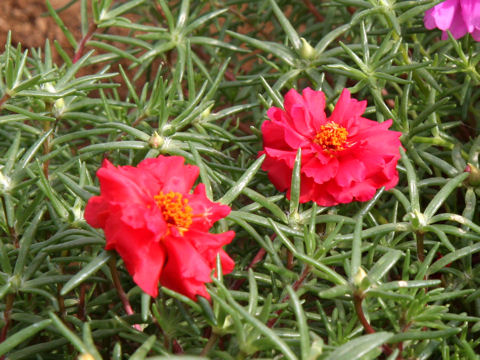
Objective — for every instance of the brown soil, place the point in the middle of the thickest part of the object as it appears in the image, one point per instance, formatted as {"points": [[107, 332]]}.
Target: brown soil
{"points": [[31, 24]]}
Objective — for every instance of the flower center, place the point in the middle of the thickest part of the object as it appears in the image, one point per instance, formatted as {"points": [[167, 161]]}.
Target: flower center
{"points": [[331, 137], [175, 209]]}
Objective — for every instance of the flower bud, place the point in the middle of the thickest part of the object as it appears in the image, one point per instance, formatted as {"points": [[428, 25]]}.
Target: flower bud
{"points": [[417, 219], [85, 356], [5, 183], [156, 140], [474, 176], [360, 280], [307, 52]]}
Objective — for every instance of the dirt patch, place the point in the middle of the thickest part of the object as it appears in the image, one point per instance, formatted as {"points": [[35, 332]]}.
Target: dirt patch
{"points": [[31, 24]]}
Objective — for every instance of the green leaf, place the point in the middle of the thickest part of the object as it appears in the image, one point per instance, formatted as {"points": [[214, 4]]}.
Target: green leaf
{"points": [[143, 350], [301, 323], [383, 265], [22, 336], [287, 27], [241, 183], [358, 347], [91, 268], [449, 258], [442, 195], [295, 184]]}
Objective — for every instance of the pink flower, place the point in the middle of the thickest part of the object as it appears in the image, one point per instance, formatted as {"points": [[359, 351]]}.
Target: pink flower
{"points": [[345, 157], [158, 226], [457, 16]]}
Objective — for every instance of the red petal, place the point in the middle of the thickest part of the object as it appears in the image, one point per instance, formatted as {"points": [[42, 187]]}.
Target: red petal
{"points": [[347, 111], [318, 171], [120, 185], [350, 170], [97, 211], [205, 212], [209, 245], [171, 172], [186, 271], [315, 103], [143, 257]]}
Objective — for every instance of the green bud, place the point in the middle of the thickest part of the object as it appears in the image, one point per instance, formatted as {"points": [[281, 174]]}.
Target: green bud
{"points": [[156, 140], [360, 280], [58, 107], [86, 356], [474, 176], [5, 183], [417, 219], [307, 52]]}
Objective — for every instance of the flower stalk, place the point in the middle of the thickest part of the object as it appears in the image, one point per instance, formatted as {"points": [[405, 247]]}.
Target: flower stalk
{"points": [[118, 286], [81, 46], [6, 316], [358, 297]]}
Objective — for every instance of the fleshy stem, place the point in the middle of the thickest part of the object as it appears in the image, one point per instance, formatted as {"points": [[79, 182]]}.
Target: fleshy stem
{"points": [[81, 46], [112, 263], [296, 285], [258, 257], [420, 248], [208, 346], [6, 317], [11, 229], [357, 301], [4, 99], [314, 11]]}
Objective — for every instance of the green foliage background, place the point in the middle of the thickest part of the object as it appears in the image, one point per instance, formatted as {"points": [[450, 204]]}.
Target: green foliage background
{"points": [[195, 78]]}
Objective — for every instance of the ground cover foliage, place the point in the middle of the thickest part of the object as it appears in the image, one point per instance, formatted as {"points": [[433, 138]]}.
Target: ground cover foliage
{"points": [[392, 278]]}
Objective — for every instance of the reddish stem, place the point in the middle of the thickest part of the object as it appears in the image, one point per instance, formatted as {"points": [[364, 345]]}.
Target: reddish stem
{"points": [[313, 9], [261, 253], [81, 302], [420, 247], [6, 316], [81, 45], [296, 285], [357, 301], [290, 260], [4, 99], [120, 291]]}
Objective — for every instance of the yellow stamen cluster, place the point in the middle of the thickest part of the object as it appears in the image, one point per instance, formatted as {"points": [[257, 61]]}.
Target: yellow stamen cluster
{"points": [[331, 137], [175, 209]]}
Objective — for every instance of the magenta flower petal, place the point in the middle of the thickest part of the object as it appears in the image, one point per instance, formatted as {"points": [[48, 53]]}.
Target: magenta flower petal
{"points": [[457, 16]]}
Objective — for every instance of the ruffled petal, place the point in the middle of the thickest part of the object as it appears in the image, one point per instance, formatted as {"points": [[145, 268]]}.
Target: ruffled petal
{"points": [[185, 271], [320, 172], [209, 245], [471, 14], [97, 211], [458, 28], [298, 114], [142, 256], [205, 212], [274, 135], [118, 184], [171, 173], [347, 111], [315, 103], [444, 13], [278, 172], [350, 170]]}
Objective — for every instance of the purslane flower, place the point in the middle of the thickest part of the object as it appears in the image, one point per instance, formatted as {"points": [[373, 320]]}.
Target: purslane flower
{"points": [[158, 226], [345, 157], [457, 16]]}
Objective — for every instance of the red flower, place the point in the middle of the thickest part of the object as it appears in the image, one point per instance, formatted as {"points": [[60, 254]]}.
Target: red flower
{"points": [[345, 157], [158, 227]]}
